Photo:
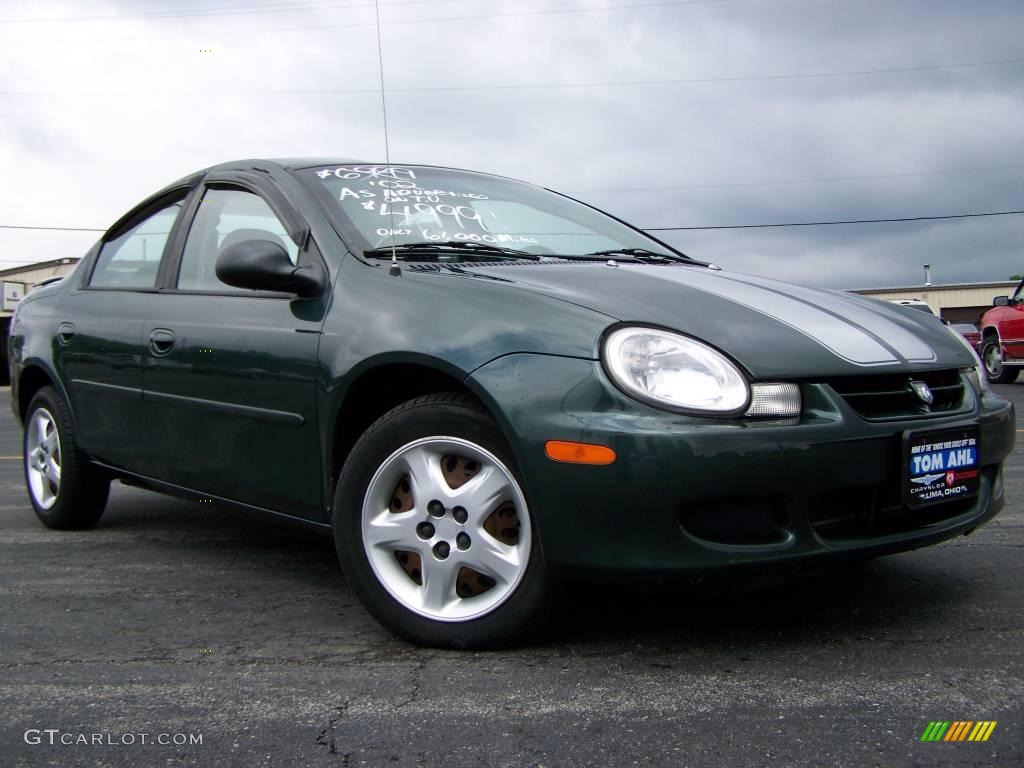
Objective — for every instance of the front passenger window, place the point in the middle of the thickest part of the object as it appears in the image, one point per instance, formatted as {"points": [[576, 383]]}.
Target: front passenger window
{"points": [[226, 217]]}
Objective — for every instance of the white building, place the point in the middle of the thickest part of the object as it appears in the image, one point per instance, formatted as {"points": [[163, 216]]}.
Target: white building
{"points": [[15, 283], [956, 302]]}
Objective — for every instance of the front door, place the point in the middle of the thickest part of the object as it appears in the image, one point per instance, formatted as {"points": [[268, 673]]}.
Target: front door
{"points": [[229, 374], [1011, 326]]}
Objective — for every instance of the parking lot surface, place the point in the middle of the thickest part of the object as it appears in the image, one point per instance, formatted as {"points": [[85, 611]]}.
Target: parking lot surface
{"points": [[173, 617]]}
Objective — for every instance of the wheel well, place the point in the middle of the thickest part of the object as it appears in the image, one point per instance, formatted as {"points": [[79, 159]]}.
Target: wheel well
{"points": [[375, 393], [990, 333], [31, 381]]}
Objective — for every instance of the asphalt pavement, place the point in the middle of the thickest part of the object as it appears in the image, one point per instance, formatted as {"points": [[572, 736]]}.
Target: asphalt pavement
{"points": [[173, 620]]}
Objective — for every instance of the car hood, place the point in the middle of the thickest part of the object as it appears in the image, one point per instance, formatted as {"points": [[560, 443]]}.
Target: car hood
{"points": [[770, 327]]}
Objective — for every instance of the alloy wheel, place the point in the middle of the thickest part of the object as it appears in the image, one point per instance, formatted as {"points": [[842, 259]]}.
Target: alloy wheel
{"points": [[446, 529], [43, 458]]}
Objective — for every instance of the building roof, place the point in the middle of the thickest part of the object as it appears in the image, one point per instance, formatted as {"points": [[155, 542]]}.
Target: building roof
{"points": [[12, 271], [936, 287]]}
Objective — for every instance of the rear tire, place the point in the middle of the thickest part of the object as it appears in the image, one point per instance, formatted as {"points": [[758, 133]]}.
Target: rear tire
{"points": [[66, 490], [992, 358], [433, 530]]}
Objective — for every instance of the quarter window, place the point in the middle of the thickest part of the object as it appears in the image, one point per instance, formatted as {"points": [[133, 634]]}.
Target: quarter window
{"points": [[226, 217], [132, 259]]}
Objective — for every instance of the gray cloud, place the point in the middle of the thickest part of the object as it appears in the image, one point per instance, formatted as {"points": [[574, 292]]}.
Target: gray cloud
{"points": [[81, 160]]}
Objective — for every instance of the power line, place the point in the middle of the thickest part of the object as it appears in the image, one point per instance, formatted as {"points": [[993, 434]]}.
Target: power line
{"points": [[265, 30], [525, 86], [22, 262], [906, 174], [51, 229], [675, 229], [238, 10], [804, 181], [830, 223], [278, 7], [687, 81]]}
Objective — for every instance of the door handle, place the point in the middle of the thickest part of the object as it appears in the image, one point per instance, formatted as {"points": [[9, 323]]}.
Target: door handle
{"points": [[161, 341], [66, 333]]}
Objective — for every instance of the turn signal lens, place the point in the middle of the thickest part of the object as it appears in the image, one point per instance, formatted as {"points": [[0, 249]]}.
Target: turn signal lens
{"points": [[578, 453], [774, 400]]}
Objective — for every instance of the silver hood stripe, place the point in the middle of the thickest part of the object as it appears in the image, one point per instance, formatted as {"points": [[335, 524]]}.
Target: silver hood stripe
{"points": [[857, 343], [903, 342]]}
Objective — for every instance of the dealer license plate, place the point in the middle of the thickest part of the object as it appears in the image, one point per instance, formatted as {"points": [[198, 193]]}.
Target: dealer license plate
{"points": [[940, 466]]}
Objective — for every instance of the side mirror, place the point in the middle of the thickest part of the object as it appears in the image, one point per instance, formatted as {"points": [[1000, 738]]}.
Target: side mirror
{"points": [[1001, 301], [263, 265]]}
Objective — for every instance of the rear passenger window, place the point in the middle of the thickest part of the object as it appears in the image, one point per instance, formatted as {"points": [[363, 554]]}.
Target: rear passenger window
{"points": [[132, 259]]}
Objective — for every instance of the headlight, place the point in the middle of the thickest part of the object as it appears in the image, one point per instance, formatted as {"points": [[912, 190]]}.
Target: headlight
{"points": [[667, 369], [977, 377]]}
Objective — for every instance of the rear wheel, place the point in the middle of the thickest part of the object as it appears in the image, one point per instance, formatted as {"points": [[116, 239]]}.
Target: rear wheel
{"points": [[66, 491], [434, 531], [995, 371]]}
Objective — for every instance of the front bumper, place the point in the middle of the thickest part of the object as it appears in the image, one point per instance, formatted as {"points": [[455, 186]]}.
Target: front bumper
{"points": [[692, 494]]}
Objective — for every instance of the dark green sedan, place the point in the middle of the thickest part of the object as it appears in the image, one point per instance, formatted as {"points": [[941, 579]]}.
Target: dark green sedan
{"points": [[480, 386]]}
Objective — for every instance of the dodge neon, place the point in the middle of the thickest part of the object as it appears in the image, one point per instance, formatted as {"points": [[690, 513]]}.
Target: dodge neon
{"points": [[480, 387]]}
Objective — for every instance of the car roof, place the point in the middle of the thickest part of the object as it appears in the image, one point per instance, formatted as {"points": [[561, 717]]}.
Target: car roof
{"points": [[301, 163], [284, 164]]}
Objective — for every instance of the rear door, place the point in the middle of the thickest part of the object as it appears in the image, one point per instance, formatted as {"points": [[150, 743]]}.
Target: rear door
{"points": [[99, 345], [230, 374]]}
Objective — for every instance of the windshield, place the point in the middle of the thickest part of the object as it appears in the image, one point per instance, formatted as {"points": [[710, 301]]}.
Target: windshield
{"points": [[399, 204]]}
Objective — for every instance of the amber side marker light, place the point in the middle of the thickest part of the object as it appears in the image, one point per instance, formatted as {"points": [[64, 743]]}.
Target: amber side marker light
{"points": [[578, 453]]}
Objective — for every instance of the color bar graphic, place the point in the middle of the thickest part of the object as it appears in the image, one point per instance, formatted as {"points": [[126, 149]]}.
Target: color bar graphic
{"points": [[958, 730], [982, 730]]}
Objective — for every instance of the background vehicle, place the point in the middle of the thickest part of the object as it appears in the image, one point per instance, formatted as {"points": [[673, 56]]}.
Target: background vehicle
{"points": [[970, 332], [1002, 338], [476, 386], [914, 304], [48, 281]]}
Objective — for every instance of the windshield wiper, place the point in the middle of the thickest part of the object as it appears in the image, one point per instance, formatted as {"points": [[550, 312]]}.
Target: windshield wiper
{"points": [[643, 253], [403, 250]]}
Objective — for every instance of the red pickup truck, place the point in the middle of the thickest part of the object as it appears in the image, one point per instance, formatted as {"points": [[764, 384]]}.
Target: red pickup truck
{"points": [[1002, 337]]}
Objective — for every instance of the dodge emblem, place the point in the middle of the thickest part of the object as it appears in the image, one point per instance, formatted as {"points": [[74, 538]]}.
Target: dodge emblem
{"points": [[922, 391]]}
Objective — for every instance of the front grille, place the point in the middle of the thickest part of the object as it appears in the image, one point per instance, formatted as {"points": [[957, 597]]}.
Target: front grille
{"points": [[892, 396], [873, 511]]}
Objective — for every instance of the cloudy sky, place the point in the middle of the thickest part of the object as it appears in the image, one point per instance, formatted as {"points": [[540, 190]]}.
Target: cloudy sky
{"points": [[668, 114]]}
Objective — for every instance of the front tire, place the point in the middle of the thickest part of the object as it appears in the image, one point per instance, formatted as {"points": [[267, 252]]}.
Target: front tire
{"points": [[433, 529], [995, 371], [66, 491]]}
